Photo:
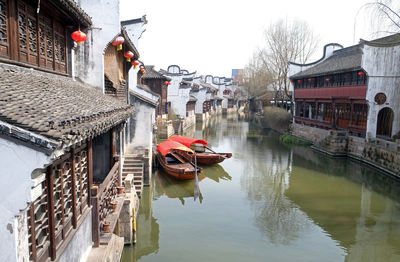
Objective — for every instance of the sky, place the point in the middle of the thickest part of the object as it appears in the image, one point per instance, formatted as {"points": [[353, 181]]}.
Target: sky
{"points": [[215, 36]]}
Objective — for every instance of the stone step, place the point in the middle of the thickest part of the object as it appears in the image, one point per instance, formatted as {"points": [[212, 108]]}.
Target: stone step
{"points": [[137, 183], [136, 178], [133, 165], [132, 169]]}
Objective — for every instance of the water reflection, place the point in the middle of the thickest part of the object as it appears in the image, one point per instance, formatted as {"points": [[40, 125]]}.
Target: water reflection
{"points": [[284, 203], [181, 189], [148, 231], [172, 188]]}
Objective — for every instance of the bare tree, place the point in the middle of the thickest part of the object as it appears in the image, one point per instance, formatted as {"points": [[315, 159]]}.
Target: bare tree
{"points": [[384, 17], [287, 41], [284, 41]]}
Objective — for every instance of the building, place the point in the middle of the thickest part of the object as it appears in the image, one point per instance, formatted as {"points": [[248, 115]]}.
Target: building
{"points": [[66, 127], [351, 88], [158, 83], [346, 102]]}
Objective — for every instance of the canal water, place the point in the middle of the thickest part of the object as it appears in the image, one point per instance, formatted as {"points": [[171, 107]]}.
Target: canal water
{"points": [[269, 202]]}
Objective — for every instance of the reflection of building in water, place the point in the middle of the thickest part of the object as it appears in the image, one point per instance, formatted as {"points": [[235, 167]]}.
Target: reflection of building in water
{"points": [[365, 223], [148, 230]]}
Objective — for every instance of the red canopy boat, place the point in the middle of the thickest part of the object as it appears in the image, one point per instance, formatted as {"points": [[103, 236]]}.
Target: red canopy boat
{"points": [[204, 154], [176, 160]]}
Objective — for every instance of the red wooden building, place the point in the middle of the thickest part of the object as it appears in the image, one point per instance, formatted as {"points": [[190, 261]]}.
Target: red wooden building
{"points": [[331, 93]]}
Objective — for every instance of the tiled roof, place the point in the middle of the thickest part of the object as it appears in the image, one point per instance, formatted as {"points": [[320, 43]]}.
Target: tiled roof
{"points": [[153, 74], [391, 40], [342, 60], [55, 106], [73, 9]]}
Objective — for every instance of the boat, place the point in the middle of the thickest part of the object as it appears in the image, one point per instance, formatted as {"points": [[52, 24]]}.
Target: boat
{"points": [[176, 160], [204, 154]]}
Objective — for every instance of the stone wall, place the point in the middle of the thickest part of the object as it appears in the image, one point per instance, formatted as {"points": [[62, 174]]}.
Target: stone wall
{"points": [[380, 153], [310, 133], [165, 129]]}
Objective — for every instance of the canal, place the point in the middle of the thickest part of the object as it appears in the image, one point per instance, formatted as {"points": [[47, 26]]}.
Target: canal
{"points": [[269, 202]]}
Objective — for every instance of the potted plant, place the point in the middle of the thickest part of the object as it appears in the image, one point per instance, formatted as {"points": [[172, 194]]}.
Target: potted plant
{"points": [[120, 190], [106, 226]]}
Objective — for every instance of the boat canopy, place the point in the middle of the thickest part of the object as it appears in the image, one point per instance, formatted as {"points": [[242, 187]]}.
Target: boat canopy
{"points": [[166, 146], [187, 141]]}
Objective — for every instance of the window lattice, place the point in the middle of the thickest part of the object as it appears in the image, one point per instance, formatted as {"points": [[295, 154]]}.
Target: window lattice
{"points": [[3, 21], [39, 226]]}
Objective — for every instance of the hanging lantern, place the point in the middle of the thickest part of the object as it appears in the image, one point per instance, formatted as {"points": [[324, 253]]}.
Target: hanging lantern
{"points": [[78, 36], [169, 83], [299, 81], [118, 41], [128, 55], [135, 63], [360, 73], [291, 80], [309, 80], [166, 83]]}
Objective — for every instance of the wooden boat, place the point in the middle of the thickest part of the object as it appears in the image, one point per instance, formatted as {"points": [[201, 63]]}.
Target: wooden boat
{"points": [[204, 154], [176, 160]]}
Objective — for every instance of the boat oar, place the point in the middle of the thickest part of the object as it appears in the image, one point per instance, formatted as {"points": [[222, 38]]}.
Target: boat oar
{"points": [[196, 180], [214, 152]]}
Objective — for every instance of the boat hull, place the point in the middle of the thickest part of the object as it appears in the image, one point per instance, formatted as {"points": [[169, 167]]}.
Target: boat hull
{"points": [[183, 171], [211, 158]]}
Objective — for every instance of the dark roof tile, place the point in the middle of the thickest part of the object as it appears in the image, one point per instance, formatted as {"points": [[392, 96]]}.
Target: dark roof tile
{"points": [[56, 107], [341, 60]]}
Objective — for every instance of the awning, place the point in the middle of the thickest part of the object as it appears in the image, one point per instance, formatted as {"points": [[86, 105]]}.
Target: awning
{"points": [[166, 146], [187, 141]]}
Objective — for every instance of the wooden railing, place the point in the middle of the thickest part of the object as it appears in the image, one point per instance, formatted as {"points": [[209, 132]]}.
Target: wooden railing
{"points": [[102, 197]]}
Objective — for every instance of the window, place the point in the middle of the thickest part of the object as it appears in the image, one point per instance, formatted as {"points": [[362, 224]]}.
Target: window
{"points": [[3, 28], [300, 109], [360, 113], [63, 201], [40, 38]]}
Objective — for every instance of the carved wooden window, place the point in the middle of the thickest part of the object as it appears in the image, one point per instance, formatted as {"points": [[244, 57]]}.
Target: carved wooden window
{"points": [[64, 200], [81, 180], [27, 31], [40, 39], [38, 217], [3, 28], [46, 42]]}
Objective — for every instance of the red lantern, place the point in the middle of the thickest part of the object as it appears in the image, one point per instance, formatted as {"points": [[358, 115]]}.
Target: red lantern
{"points": [[360, 73], [309, 80], [299, 81], [118, 41], [135, 63], [291, 80], [128, 55], [78, 36], [166, 83]]}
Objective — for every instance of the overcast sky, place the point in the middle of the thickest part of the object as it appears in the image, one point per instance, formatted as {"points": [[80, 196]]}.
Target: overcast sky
{"points": [[216, 36]]}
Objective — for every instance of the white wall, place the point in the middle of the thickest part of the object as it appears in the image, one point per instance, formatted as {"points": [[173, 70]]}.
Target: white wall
{"points": [[89, 57], [17, 164], [177, 95], [134, 31], [201, 96], [382, 65], [79, 247]]}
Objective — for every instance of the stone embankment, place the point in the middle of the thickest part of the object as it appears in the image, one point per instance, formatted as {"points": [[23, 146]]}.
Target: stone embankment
{"points": [[380, 153]]}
